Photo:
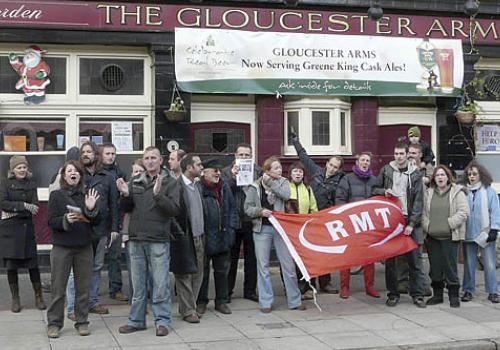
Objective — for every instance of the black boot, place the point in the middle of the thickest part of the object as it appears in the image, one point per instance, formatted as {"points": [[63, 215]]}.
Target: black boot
{"points": [[16, 302], [437, 293], [453, 295], [40, 304]]}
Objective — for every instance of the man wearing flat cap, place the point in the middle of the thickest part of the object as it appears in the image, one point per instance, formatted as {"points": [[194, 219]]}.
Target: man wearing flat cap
{"points": [[219, 218]]}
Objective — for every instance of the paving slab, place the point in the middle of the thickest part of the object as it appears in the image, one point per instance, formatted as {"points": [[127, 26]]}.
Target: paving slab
{"points": [[353, 340], [291, 343]]}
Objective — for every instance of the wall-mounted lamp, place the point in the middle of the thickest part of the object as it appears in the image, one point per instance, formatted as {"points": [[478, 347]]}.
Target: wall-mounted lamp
{"points": [[471, 7], [375, 12], [291, 2]]}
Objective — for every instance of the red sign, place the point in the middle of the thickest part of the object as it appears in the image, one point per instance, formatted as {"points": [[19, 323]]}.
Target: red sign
{"points": [[165, 18], [344, 236]]}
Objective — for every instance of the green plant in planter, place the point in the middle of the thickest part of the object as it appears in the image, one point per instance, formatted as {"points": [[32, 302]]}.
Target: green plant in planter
{"points": [[177, 105]]}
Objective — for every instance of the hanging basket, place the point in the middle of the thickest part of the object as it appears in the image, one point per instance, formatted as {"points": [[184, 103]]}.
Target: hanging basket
{"points": [[464, 117], [174, 116]]}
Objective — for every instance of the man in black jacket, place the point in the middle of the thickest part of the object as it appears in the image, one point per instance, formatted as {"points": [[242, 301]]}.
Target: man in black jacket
{"points": [[108, 156], [97, 178], [243, 228], [218, 219], [190, 221], [324, 182], [152, 200], [402, 179]]}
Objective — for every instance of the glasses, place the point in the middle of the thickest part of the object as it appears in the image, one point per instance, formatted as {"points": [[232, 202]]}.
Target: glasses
{"points": [[472, 174]]}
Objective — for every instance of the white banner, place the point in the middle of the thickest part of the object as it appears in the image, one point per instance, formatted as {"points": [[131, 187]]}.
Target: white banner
{"points": [[230, 61]]}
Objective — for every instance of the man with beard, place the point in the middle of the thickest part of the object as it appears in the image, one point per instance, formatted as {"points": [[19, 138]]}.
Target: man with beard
{"points": [[97, 178], [152, 199], [219, 218], [324, 183], [108, 156], [243, 228], [191, 223]]}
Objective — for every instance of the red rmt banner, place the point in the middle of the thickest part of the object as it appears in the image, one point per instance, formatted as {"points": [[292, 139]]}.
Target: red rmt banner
{"points": [[344, 236]]}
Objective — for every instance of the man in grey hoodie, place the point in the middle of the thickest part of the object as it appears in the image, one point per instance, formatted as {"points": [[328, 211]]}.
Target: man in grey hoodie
{"points": [[401, 178]]}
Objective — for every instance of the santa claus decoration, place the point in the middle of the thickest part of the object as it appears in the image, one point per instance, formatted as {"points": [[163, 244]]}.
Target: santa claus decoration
{"points": [[33, 74]]}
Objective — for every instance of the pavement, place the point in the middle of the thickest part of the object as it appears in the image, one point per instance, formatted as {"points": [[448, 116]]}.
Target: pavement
{"points": [[360, 322]]}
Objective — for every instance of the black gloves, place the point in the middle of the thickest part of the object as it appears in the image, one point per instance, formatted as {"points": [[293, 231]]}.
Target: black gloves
{"points": [[492, 235]]}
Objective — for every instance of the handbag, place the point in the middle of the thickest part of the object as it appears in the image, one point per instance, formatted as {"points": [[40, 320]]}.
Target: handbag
{"points": [[182, 251]]}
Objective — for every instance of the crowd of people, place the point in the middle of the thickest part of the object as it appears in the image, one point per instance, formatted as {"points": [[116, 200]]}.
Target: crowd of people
{"points": [[191, 216]]}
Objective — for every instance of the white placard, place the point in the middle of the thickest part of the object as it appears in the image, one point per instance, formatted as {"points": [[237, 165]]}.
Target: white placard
{"points": [[121, 136], [245, 172]]}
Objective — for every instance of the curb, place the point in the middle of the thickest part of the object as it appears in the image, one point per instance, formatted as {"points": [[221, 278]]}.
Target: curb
{"points": [[477, 344]]}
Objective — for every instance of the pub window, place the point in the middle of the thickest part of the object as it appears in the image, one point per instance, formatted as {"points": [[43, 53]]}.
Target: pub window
{"points": [[126, 134], [217, 140], [40, 135], [9, 78], [108, 76], [323, 126]]}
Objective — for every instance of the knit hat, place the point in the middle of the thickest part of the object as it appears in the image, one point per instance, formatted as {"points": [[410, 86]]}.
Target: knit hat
{"points": [[73, 154], [414, 131], [16, 160]]}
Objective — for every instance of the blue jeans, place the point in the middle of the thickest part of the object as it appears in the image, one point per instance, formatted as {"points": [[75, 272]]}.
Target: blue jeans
{"points": [[489, 261], [99, 248], [264, 240], [152, 257]]}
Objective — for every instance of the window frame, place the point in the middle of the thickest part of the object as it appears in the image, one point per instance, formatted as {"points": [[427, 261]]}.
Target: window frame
{"points": [[305, 108]]}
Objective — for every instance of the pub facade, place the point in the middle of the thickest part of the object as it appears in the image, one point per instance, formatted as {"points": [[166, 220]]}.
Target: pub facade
{"points": [[245, 71]]}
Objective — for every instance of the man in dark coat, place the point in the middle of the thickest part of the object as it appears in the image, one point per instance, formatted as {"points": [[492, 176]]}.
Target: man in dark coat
{"points": [[190, 221], [108, 156], [152, 199], [401, 179], [243, 228], [219, 218], [324, 182]]}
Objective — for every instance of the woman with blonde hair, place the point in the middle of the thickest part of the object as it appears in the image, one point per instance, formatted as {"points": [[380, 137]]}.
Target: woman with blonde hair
{"points": [[268, 193]]}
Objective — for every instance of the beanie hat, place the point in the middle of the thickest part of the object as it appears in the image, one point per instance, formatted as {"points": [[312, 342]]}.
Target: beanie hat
{"points": [[16, 160], [73, 154], [414, 131]]}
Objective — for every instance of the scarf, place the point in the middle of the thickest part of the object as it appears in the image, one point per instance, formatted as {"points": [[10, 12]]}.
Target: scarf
{"points": [[363, 174], [484, 212], [216, 188]]}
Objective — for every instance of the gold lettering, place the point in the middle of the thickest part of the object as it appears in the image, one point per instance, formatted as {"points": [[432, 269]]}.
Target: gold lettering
{"points": [[436, 25], [491, 28], [150, 14], [383, 22], [343, 24], [256, 19], [286, 14], [312, 20], [137, 14], [404, 23], [226, 14], [180, 17], [208, 13], [361, 22], [456, 26], [108, 11]]}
